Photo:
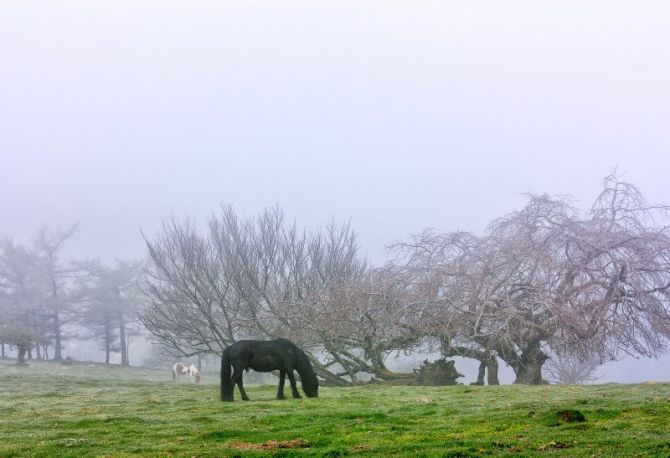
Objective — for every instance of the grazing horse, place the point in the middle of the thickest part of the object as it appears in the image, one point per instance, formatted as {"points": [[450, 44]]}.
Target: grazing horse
{"points": [[265, 356], [185, 369]]}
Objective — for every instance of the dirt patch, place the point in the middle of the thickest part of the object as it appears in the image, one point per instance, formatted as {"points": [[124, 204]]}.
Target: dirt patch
{"points": [[424, 400], [553, 445], [269, 445]]}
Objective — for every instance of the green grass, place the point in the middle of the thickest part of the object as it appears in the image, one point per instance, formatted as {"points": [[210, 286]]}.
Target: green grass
{"points": [[79, 410]]}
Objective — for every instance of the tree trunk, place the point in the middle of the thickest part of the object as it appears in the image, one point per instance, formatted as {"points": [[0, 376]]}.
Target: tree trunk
{"points": [[330, 379], [2, 344], [350, 368], [492, 368], [38, 354], [46, 352], [108, 342], [381, 372], [388, 376], [487, 361], [199, 362], [57, 345], [122, 339], [528, 368], [21, 354], [480, 374]]}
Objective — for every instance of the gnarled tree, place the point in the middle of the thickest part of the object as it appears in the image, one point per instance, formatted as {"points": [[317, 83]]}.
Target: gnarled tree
{"points": [[551, 275]]}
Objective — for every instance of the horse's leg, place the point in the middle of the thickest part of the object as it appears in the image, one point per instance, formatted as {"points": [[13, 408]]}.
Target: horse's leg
{"points": [[280, 390], [237, 378], [294, 388], [240, 385]]}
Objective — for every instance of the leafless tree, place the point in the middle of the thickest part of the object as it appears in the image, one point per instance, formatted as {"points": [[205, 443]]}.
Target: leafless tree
{"points": [[192, 305], [262, 277], [315, 289], [550, 275], [440, 272], [571, 369], [357, 324]]}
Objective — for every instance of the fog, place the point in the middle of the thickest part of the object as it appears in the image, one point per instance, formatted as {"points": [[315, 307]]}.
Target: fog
{"points": [[396, 115]]}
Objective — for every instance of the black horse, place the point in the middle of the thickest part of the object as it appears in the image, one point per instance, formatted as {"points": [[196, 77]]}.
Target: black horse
{"points": [[265, 356]]}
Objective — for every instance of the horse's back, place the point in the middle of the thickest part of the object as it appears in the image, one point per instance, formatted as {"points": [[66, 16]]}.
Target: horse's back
{"points": [[262, 345], [263, 355]]}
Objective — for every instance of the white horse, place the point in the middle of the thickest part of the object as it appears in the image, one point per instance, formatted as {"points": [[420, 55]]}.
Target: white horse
{"points": [[185, 369]]}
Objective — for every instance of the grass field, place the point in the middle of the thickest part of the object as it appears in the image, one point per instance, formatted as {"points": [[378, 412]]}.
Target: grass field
{"points": [[82, 410]]}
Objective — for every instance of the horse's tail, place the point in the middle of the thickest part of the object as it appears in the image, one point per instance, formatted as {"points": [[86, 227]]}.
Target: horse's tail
{"points": [[310, 384], [227, 385]]}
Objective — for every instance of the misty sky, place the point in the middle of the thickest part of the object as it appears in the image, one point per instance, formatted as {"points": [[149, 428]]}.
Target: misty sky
{"points": [[398, 115]]}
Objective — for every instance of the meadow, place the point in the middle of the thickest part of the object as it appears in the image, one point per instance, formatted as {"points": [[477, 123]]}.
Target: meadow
{"points": [[92, 410]]}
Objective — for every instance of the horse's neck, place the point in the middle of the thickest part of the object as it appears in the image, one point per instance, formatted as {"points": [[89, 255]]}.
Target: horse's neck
{"points": [[304, 367]]}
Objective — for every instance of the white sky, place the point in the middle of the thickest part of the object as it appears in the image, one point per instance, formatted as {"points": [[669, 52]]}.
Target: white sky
{"points": [[398, 115]]}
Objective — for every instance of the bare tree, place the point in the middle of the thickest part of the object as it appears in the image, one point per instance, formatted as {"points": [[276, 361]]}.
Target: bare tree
{"points": [[315, 289], [192, 307], [254, 277], [357, 324], [550, 275], [571, 369], [441, 273]]}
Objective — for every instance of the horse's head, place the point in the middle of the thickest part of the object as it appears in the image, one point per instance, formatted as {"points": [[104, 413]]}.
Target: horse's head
{"points": [[310, 386]]}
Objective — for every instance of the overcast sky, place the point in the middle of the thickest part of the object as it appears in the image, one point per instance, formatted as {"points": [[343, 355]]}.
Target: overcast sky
{"points": [[397, 115]]}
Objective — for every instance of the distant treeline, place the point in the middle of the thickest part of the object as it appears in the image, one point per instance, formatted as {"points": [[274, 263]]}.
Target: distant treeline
{"points": [[45, 300]]}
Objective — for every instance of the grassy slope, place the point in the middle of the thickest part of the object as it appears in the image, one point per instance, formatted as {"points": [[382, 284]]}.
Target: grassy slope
{"points": [[53, 410]]}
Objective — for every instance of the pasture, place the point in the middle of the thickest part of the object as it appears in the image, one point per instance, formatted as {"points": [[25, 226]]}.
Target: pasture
{"points": [[92, 410]]}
